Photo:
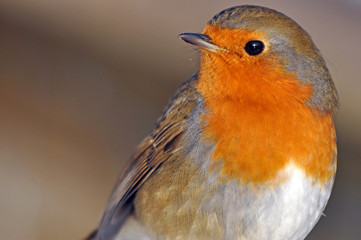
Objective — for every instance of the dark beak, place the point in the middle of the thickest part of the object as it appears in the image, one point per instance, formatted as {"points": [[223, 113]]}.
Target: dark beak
{"points": [[201, 41]]}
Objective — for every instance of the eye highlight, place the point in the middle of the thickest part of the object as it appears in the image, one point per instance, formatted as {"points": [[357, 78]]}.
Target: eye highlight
{"points": [[254, 47]]}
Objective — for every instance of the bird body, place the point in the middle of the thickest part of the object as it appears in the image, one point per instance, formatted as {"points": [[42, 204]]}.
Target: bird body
{"points": [[246, 149]]}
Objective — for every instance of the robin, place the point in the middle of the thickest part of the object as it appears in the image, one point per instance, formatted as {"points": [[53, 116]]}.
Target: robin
{"points": [[246, 149]]}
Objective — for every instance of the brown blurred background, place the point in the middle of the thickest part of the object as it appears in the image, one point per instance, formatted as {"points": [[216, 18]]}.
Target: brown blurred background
{"points": [[82, 82]]}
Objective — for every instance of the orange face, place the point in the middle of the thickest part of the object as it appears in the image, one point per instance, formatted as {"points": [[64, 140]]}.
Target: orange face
{"points": [[249, 77], [259, 115]]}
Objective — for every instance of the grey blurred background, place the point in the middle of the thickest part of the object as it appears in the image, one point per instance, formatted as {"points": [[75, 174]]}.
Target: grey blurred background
{"points": [[82, 82]]}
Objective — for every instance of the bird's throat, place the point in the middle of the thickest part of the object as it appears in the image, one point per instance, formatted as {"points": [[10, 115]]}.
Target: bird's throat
{"points": [[261, 123]]}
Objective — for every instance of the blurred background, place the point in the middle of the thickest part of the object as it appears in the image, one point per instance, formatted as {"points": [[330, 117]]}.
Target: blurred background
{"points": [[82, 82]]}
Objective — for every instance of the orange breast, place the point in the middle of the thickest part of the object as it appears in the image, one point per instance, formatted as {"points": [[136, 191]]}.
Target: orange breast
{"points": [[257, 115]]}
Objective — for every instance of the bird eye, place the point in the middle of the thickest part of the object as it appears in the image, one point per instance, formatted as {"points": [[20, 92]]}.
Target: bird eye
{"points": [[254, 47]]}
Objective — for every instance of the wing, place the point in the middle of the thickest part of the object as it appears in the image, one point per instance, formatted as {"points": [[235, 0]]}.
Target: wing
{"points": [[152, 152]]}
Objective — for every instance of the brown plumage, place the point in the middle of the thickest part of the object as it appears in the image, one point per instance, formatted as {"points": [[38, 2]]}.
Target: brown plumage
{"points": [[158, 147]]}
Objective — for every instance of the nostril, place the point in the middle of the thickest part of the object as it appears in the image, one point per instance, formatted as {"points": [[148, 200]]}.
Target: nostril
{"points": [[206, 38]]}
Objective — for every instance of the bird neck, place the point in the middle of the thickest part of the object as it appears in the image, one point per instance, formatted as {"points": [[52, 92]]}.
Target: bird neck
{"points": [[260, 123]]}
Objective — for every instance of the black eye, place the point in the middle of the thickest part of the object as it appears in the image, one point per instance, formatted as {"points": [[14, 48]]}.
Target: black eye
{"points": [[254, 47]]}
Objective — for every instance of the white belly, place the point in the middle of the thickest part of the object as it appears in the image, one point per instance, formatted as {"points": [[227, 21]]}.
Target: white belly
{"points": [[288, 211]]}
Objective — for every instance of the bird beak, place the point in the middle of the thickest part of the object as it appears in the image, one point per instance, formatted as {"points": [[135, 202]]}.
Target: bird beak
{"points": [[201, 41]]}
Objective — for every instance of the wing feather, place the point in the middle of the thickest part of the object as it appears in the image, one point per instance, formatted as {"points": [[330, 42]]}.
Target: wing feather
{"points": [[151, 153]]}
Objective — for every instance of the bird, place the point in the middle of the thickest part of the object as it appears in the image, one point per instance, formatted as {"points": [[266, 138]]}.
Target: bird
{"points": [[245, 149]]}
